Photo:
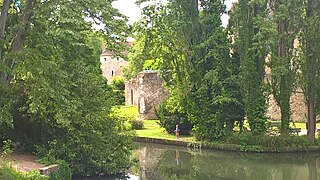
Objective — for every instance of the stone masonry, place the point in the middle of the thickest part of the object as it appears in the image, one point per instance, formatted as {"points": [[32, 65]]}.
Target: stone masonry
{"points": [[147, 92], [297, 105], [111, 65]]}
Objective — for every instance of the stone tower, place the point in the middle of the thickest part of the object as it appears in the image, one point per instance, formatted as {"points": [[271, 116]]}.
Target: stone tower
{"points": [[112, 65]]}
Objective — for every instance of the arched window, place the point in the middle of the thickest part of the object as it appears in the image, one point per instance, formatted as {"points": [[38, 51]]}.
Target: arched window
{"points": [[112, 73]]}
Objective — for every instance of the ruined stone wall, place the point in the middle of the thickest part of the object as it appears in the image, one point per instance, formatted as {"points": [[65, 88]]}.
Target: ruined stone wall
{"points": [[151, 94], [132, 92], [146, 92], [298, 108]]}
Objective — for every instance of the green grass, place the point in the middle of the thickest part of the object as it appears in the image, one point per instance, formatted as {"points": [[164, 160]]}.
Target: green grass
{"points": [[125, 111], [153, 130]]}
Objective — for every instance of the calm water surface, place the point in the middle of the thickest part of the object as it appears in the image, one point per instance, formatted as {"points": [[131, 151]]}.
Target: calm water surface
{"points": [[161, 162]]}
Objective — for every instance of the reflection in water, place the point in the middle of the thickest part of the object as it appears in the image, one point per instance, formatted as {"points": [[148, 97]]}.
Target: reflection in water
{"points": [[162, 162], [168, 162], [177, 156]]}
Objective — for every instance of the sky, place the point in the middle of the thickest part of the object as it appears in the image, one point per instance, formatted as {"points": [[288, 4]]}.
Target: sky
{"points": [[130, 9]]}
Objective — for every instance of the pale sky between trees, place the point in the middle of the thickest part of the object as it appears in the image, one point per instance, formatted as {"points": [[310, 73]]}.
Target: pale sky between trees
{"points": [[130, 9]]}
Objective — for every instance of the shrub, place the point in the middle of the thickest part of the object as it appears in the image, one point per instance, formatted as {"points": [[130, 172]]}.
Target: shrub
{"points": [[118, 86], [7, 172], [169, 120], [119, 97], [137, 124], [35, 175], [271, 142], [63, 173], [118, 83]]}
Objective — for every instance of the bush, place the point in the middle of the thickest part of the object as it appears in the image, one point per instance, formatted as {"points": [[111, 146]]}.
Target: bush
{"points": [[271, 142], [118, 83], [63, 173], [118, 86], [169, 120], [137, 124], [7, 172], [119, 97]]}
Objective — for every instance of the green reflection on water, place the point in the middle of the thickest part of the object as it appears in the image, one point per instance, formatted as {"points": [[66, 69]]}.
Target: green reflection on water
{"points": [[169, 162]]}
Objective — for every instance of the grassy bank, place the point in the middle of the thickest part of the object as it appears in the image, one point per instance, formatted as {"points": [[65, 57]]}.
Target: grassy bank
{"points": [[151, 127], [153, 130]]}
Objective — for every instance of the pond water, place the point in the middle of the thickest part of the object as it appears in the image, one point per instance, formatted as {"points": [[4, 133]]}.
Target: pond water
{"points": [[159, 162]]}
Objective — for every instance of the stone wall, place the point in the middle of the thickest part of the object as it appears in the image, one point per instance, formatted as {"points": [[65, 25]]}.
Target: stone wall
{"points": [[132, 92], [297, 104], [112, 66], [147, 92]]}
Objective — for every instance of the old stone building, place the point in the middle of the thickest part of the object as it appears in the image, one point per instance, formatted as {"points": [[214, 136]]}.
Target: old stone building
{"points": [[111, 65], [146, 92]]}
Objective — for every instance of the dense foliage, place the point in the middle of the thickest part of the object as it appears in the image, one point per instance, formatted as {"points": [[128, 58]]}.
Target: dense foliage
{"points": [[168, 120], [10, 173], [215, 76], [118, 87], [52, 91], [215, 96]]}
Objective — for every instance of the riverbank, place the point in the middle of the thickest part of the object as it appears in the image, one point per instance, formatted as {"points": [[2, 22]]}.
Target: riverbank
{"points": [[153, 133], [227, 147]]}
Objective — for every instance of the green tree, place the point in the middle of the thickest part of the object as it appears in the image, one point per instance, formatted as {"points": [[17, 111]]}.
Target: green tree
{"points": [[216, 102], [60, 102], [166, 37], [310, 53], [252, 59], [280, 32]]}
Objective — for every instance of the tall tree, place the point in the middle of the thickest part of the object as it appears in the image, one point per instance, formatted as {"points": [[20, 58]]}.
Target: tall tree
{"points": [[252, 58], [281, 32], [166, 36], [310, 62], [215, 102]]}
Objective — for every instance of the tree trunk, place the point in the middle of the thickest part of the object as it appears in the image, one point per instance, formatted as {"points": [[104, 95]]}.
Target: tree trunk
{"points": [[311, 120], [284, 93], [3, 20], [18, 40]]}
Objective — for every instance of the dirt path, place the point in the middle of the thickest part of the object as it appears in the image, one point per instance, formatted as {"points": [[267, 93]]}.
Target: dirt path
{"points": [[24, 162]]}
